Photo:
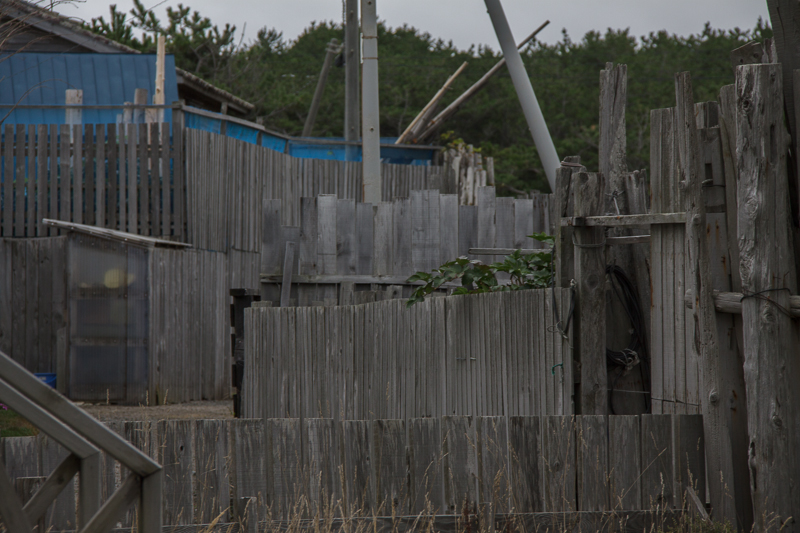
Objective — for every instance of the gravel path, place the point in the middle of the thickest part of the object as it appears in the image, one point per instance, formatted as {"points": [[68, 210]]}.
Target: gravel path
{"points": [[191, 410]]}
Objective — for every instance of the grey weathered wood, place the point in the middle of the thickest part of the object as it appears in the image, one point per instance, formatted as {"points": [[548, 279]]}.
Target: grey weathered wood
{"points": [[625, 220], [487, 229], [286, 284], [460, 464], [448, 228], [19, 181], [211, 462], [426, 489], [248, 449], [110, 512], [690, 464], [11, 505], [51, 489], [388, 462], [767, 263], [284, 436], [346, 242], [365, 234], [590, 276], [176, 455], [62, 513], [467, 229], [357, 469], [559, 463], [593, 467], [42, 185], [525, 463], [8, 183], [326, 234], [383, 262], [720, 460], [657, 469], [402, 237], [625, 462], [494, 481]]}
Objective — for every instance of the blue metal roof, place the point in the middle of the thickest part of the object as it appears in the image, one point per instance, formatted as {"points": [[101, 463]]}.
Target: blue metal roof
{"points": [[106, 79]]}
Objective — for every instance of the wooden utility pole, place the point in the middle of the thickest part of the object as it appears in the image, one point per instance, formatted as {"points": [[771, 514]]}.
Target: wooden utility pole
{"points": [[352, 66], [423, 117], [767, 266], [451, 110], [330, 53], [157, 115], [371, 125]]}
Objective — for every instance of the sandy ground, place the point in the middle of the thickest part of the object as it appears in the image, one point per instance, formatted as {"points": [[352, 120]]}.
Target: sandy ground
{"points": [[191, 410]]}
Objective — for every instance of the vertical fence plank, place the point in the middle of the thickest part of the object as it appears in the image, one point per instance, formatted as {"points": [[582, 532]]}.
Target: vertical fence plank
{"points": [[425, 465], [284, 439], [326, 231], [592, 444], [460, 464], [77, 174], [558, 445], [102, 180], [89, 166], [30, 186], [493, 472], [383, 262], [8, 180], [690, 457], [525, 463], [365, 232], [357, 472], [133, 181], [211, 462], [249, 448], [19, 181], [402, 242], [42, 189], [624, 462], [65, 208], [346, 252], [176, 455], [657, 471]]}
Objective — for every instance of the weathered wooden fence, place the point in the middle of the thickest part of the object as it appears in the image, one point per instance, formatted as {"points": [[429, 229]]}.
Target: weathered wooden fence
{"points": [[341, 240], [33, 301], [126, 177], [453, 465], [487, 354], [227, 179]]}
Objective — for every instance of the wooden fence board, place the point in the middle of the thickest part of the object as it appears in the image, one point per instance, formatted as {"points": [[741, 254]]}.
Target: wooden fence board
{"points": [[493, 471], [592, 448], [525, 463], [657, 470], [558, 445], [211, 463], [460, 464], [625, 462]]}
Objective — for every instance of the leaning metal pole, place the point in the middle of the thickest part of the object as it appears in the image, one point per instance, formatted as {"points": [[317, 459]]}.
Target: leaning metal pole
{"points": [[527, 98]]}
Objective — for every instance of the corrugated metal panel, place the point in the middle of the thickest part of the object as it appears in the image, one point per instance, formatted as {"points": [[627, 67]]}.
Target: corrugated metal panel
{"points": [[106, 79]]}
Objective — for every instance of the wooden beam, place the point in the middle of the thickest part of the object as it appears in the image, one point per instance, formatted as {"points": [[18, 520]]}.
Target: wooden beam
{"points": [[52, 487], [731, 302], [76, 418], [43, 420], [10, 505], [590, 274], [115, 506], [772, 367], [625, 220]]}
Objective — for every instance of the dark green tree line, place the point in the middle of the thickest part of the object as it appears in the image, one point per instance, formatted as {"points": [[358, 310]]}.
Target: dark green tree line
{"points": [[279, 77]]}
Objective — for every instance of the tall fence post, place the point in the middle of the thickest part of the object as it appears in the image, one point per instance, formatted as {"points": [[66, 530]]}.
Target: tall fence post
{"points": [[590, 266], [767, 266]]}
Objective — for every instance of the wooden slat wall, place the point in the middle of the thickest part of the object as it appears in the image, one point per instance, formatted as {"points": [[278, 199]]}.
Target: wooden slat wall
{"points": [[674, 374], [486, 354], [407, 235], [33, 300], [422, 466], [82, 175], [189, 336], [226, 179]]}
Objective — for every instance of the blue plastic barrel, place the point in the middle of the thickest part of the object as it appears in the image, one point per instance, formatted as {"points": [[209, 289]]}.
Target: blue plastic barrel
{"points": [[48, 379]]}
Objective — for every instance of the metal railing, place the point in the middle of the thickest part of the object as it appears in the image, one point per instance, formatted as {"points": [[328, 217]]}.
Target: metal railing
{"points": [[84, 437]]}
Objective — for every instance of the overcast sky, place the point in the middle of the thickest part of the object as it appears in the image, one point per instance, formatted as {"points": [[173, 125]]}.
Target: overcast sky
{"points": [[466, 22]]}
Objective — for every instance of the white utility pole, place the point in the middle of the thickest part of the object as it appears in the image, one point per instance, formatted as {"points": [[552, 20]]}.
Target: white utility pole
{"points": [[370, 111], [527, 98]]}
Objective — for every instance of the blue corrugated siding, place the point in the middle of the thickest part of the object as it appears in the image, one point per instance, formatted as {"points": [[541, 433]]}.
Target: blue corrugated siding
{"points": [[106, 79]]}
